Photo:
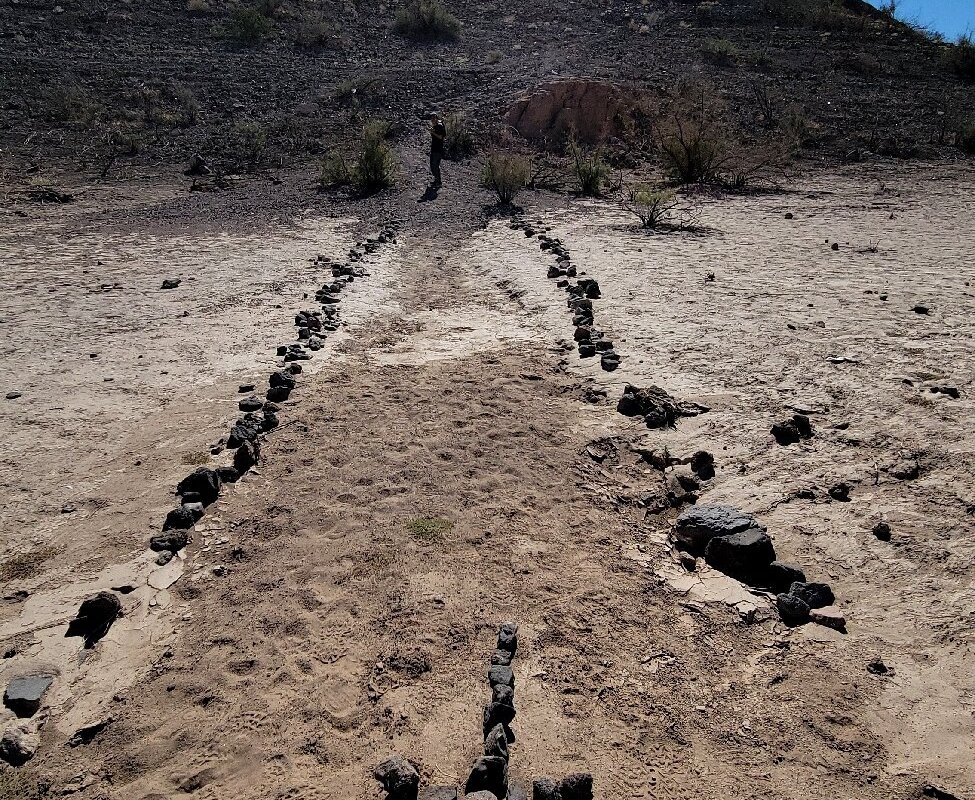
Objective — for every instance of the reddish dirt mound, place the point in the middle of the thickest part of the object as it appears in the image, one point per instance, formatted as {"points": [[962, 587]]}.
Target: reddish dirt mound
{"points": [[593, 110]]}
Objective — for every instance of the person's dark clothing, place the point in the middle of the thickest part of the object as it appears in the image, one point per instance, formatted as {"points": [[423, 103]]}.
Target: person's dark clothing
{"points": [[439, 133]]}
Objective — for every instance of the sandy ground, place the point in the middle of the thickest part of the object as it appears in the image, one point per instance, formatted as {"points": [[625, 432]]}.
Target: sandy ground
{"points": [[345, 627]]}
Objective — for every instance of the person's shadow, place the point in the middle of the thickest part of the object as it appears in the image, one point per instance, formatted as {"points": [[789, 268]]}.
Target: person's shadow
{"points": [[429, 194]]}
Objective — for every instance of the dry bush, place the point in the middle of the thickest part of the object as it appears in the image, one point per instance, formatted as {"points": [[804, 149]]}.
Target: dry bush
{"points": [[335, 172], [829, 15], [720, 52], [505, 174], [652, 206], [961, 55], [197, 7], [247, 143], [459, 142], [426, 20], [313, 33], [68, 103], [965, 137], [590, 170], [358, 91]]}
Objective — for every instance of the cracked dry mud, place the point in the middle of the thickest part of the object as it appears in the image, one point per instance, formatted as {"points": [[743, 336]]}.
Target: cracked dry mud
{"points": [[434, 476]]}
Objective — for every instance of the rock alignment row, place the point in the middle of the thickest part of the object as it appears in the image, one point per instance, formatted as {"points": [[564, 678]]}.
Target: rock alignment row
{"points": [[489, 778], [590, 341], [734, 543], [197, 490]]}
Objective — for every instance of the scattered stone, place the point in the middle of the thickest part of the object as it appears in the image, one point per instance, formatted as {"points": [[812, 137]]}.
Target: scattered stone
{"points": [[171, 283], [87, 733], [840, 492], [906, 470], [164, 557], [399, 778], [23, 695], [577, 786], [180, 518], [278, 394], [204, 481], [508, 637], [244, 388], [882, 531], [696, 527], [814, 595], [829, 618], [877, 667], [251, 404], [587, 350], [228, 474], [919, 309], [19, 743], [609, 360], [951, 391], [791, 431], [930, 790], [95, 617], [496, 743], [173, 540], [281, 378], [490, 774], [656, 406], [792, 610], [545, 789], [13, 395], [780, 576], [702, 465], [744, 556], [247, 455]]}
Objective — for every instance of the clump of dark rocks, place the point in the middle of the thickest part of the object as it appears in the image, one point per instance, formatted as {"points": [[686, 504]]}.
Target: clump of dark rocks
{"points": [[658, 408], [576, 786], [736, 544], [792, 430]]}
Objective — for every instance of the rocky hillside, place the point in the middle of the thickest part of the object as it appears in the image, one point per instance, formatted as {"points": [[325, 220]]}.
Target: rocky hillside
{"points": [[100, 84]]}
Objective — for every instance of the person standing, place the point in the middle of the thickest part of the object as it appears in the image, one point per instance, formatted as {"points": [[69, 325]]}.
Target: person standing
{"points": [[438, 134]]}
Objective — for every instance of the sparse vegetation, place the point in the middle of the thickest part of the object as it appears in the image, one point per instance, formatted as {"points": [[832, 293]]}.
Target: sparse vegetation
{"points": [[426, 20], [590, 170], [313, 33], [965, 137], [335, 172], [375, 166], [25, 565], [459, 142], [429, 529], [962, 56], [720, 52], [652, 206], [247, 143], [249, 26], [505, 174]]}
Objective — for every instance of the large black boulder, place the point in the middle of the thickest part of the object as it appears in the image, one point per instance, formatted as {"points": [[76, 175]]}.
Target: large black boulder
{"points": [[780, 576], [696, 527], [204, 482], [792, 609], [95, 616], [399, 778], [814, 595], [744, 556], [179, 519], [489, 774], [172, 541], [247, 455]]}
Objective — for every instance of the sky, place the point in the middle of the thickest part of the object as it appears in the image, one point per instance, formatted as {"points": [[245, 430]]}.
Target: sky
{"points": [[949, 17]]}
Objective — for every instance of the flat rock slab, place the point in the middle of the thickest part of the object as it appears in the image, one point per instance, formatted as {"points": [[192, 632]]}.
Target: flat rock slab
{"points": [[23, 695]]}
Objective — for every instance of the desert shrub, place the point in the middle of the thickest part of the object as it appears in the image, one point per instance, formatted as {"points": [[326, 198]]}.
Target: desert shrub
{"points": [[426, 20], [247, 143], [375, 166], [335, 172], [962, 56], [965, 137], [590, 170], [505, 174], [187, 107], [68, 103], [652, 206], [720, 52], [694, 150], [829, 15], [313, 33], [355, 91], [249, 26], [459, 142], [197, 6]]}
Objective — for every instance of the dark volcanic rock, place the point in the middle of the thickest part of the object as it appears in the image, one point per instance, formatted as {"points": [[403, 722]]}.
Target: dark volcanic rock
{"points": [[489, 774], [587, 350], [609, 361], [251, 404], [577, 786], [399, 778], [840, 491], [496, 743], [246, 429], [882, 531], [658, 408], [499, 714], [696, 527], [501, 674], [204, 481], [702, 465], [23, 695], [95, 616], [814, 595], [228, 474], [281, 378], [792, 609], [780, 576], [501, 657], [508, 637], [785, 433], [172, 540], [505, 695], [179, 519], [278, 394], [170, 283], [247, 455], [545, 789], [744, 556]]}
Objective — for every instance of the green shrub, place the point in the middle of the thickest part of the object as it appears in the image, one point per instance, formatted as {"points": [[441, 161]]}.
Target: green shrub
{"points": [[459, 142], [505, 174], [375, 167], [652, 206], [720, 52], [335, 172], [590, 170], [247, 143], [426, 20], [249, 26]]}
